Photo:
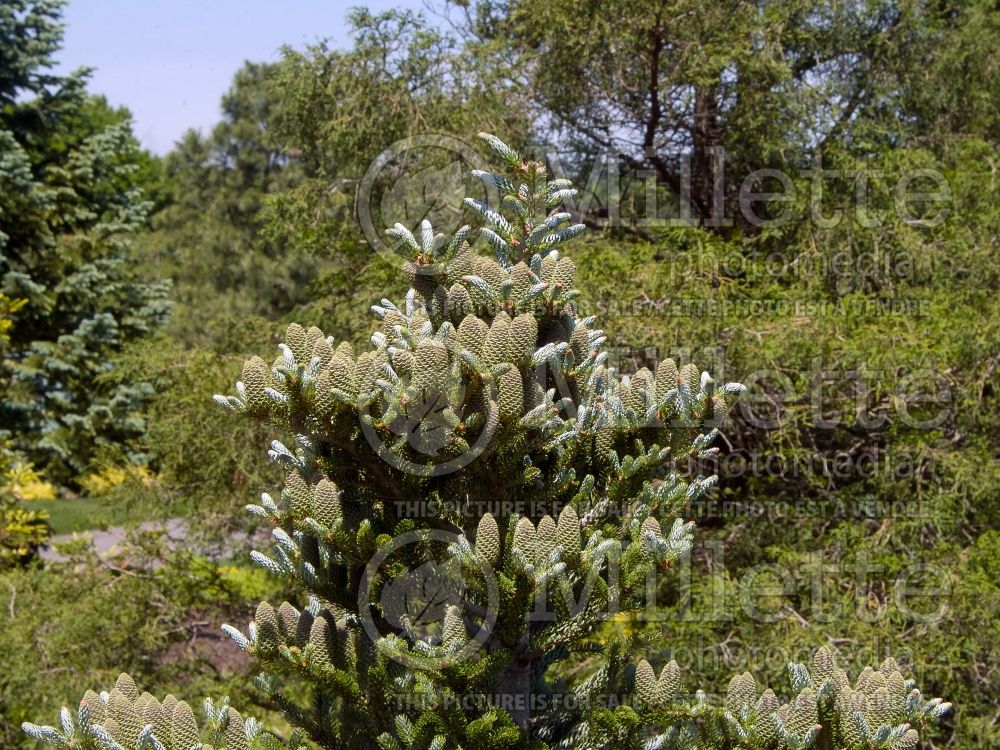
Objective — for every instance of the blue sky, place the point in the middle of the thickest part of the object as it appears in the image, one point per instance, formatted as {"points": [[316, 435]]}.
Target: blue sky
{"points": [[169, 61]]}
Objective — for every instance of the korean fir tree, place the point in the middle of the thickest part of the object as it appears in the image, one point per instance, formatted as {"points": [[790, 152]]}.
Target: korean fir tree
{"points": [[466, 501], [70, 205]]}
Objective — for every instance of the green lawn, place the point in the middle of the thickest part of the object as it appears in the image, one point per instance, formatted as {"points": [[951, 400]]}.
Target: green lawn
{"points": [[84, 513]]}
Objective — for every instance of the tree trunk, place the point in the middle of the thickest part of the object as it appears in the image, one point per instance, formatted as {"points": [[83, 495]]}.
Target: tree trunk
{"points": [[514, 688], [704, 139]]}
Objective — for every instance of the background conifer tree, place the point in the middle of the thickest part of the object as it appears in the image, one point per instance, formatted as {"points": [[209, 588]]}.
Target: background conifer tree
{"points": [[220, 263], [485, 385], [69, 207], [22, 530]]}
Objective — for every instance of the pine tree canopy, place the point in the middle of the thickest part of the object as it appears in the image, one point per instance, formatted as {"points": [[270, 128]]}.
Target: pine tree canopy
{"points": [[69, 207], [466, 502]]}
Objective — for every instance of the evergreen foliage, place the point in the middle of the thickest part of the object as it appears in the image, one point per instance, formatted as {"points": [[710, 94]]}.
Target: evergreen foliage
{"points": [[143, 609], [431, 84], [69, 208], [206, 239], [124, 718], [195, 466], [692, 92], [485, 384], [22, 530]]}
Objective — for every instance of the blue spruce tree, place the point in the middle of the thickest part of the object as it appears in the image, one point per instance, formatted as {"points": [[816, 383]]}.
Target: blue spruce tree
{"points": [[69, 207]]}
